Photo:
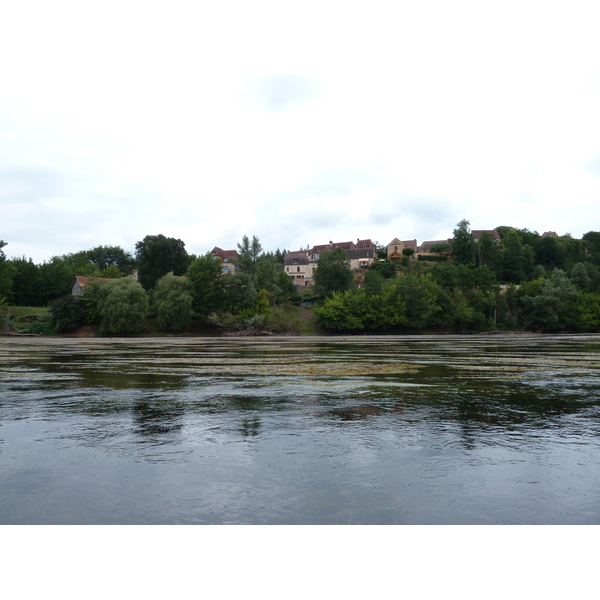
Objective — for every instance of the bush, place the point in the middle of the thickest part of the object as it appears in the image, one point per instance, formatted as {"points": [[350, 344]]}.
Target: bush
{"points": [[356, 311], [45, 326], [68, 313], [172, 302], [122, 306]]}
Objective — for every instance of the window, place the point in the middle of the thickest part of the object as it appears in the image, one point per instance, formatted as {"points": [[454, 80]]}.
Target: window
{"points": [[295, 261], [297, 268], [287, 269]]}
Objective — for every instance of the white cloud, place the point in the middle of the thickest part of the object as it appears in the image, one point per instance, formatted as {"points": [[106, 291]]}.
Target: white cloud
{"points": [[132, 119]]}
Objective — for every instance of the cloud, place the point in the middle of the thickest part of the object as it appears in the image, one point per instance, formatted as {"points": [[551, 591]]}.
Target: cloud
{"points": [[28, 185], [279, 92]]}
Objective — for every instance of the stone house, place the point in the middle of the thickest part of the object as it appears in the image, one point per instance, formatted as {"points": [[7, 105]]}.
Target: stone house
{"points": [[225, 256], [302, 264], [79, 283], [395, 247]]}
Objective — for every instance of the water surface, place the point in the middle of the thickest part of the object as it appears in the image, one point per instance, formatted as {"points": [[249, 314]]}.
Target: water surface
{"points": [[375, 430]]}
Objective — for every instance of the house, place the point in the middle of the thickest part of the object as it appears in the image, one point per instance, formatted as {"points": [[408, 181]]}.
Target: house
{"points": [[395, 247], [425, 247], [79, 283], [297, 266], [224, 256], [301, 265]]}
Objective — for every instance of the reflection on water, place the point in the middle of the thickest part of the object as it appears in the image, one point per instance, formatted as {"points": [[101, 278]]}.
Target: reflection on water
{"points": [[475, 429]]}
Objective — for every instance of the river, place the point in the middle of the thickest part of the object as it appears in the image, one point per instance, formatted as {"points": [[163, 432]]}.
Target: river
{"points": [[497, 429]]}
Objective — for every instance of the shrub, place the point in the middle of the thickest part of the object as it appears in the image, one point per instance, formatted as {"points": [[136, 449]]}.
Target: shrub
{"points": [[45, 326], [122, 306], [68, 313], [172, 302]]}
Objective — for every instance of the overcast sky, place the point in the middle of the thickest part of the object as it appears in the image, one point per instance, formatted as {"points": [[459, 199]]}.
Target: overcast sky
{"points": [[124, 119]]}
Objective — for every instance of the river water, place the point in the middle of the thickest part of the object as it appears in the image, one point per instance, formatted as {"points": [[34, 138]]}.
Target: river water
{"points": [[359, 430]]}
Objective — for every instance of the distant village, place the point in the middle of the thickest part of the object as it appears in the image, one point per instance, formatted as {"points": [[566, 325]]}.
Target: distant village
{"points": [[301, 265]]}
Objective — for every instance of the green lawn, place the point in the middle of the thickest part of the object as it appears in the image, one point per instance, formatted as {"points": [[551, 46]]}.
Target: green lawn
{"points": [[26, 311]]}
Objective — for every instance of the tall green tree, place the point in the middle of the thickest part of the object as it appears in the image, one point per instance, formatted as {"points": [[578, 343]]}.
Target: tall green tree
{"points": [[26, 288], [55, 279], [208, 286], [158, 255], [249, 253], [333, 273], [486, 251], [7, 271], [172, 302], [105, 257], [553, 308], [517, 258], [422, 297], [463, 244], [122, 306]]}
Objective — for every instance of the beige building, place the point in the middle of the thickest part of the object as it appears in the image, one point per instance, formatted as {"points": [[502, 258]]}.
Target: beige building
{"points": [[225, 256], [302, 264], [395, 247]]}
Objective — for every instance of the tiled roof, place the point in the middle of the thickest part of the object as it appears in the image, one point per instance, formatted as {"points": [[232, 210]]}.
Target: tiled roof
{"points": [[83, 281], [223, 253], [425, 246], [477, 233], [301, 258], [355, 253]]}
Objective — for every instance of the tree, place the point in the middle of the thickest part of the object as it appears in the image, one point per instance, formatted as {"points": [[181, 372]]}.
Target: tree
{"points": [[381, 250], [421, 294], [353, 310], [552, 309], [462, 244], [517, 259], [208, 286], [7, 271], [173, 303], [55, 279], [122, 306], [68, 313], [158, 255], [486, 251], [580, 278], [105, 257], [26, 285], [333, 273], [248, 254], [111, 272], [388, 269]]}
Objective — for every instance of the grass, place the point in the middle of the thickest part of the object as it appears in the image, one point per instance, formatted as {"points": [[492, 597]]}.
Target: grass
{"points": [[26, 311]]}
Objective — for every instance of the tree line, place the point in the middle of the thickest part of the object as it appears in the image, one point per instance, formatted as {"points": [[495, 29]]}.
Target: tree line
{"points": [[173, 287], [521, 281]]}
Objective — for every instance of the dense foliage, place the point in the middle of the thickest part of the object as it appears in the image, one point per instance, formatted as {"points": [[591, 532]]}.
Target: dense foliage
{"points": [[504, 280], [158, 255], [333, 273], [122, 306], [172, 302]]}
